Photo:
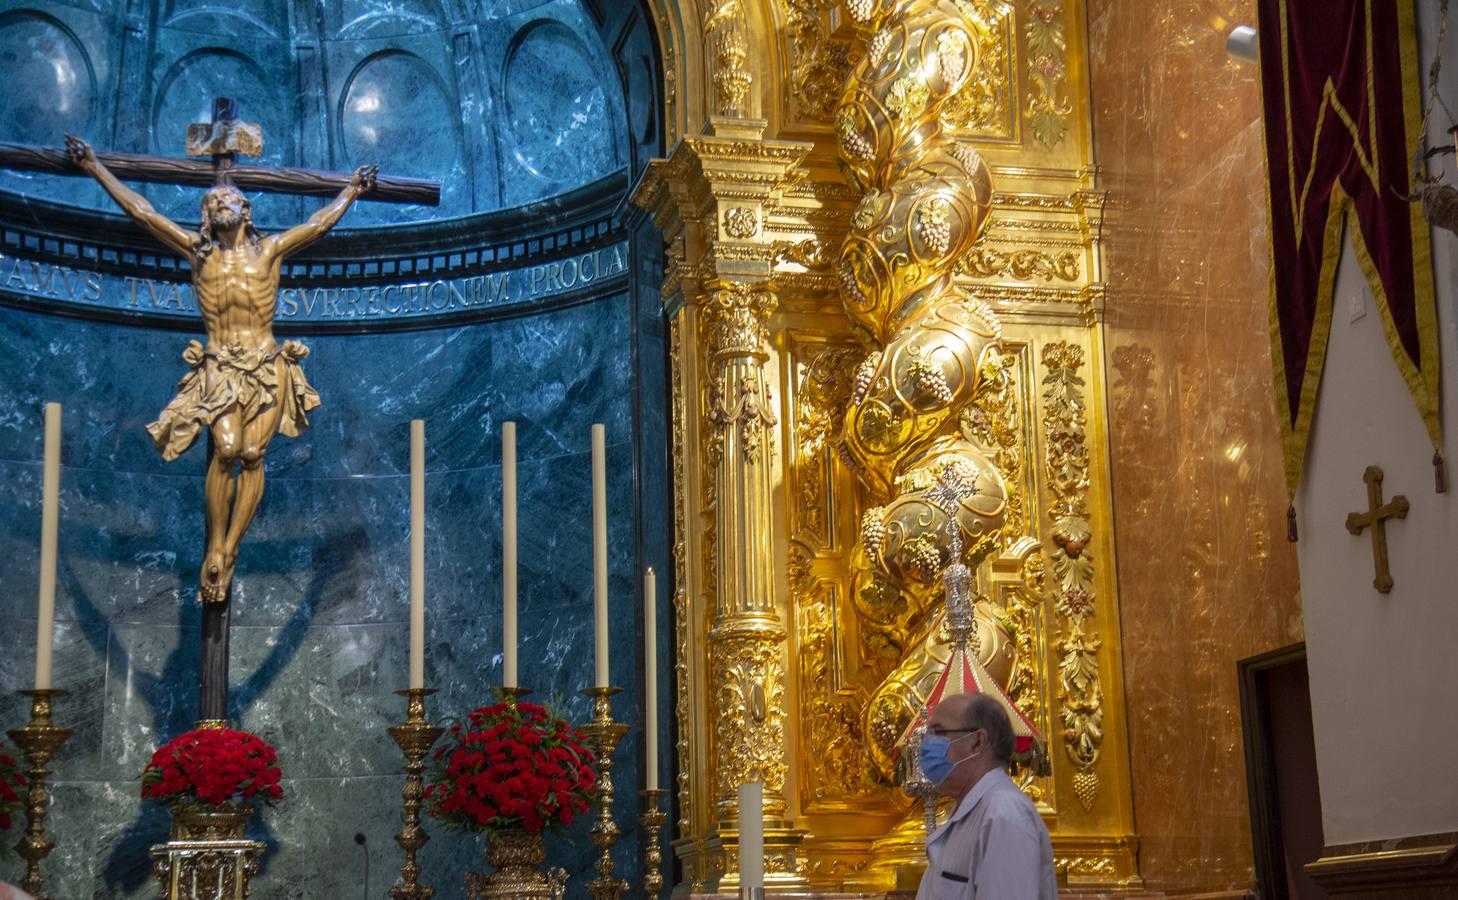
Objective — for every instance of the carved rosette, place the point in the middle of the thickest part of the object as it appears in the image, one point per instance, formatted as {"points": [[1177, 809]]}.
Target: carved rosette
{"points": [[1067, 458]]}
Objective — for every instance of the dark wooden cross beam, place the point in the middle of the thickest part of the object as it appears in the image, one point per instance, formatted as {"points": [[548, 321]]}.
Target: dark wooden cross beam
{"points": [[1376, 518], [221, 139]]}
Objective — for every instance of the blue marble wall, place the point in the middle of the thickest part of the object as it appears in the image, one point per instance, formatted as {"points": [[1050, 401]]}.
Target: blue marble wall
{"points": [[503, 103], [320, 634]]}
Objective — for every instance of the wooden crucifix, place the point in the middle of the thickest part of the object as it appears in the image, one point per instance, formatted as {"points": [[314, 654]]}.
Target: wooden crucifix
{"points": [[242, 387], [1376, 518]]}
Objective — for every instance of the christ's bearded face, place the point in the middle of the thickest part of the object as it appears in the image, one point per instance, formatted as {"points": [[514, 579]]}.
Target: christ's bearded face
{"points": [[225, 208]]}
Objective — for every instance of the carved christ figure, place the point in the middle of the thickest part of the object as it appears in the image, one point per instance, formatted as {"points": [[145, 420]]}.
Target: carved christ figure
{"points": [[243, 387]]}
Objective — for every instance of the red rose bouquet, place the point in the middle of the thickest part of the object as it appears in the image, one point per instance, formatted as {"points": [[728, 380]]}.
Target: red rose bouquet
{"points": [[510, 766], [11, 783], [213, 765]]}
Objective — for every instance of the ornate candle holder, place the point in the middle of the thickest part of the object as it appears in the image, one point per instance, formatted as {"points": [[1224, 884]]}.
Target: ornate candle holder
{"points": [[415, 737], [510, 695], [38, 741], [602, 735], [651, 819]]}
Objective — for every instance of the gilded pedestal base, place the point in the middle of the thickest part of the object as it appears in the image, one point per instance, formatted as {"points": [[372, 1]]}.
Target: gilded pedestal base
{"points": [[516, 856], [207, 858]]}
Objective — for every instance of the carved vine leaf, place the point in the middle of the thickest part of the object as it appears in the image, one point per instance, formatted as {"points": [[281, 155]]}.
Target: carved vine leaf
{"points": [[1048, 106]]}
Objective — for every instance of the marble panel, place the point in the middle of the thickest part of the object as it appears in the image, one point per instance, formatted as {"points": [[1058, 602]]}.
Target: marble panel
{"points": [[397, 113], [319, 639], [1206, 577], [502, 103], [560, 125]]}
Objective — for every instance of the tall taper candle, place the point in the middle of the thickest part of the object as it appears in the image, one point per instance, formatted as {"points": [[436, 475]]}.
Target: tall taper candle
{"points": [[508, 554], [751, 834], [599, 554], [45, 626], [650, 680], [417, 554]]}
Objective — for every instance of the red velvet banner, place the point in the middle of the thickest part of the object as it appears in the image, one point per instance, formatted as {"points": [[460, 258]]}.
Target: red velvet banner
{"points": [[1342, 116]]}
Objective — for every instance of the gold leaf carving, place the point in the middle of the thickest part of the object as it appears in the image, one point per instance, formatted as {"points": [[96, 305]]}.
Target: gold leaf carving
{"points": [[1067, 458], [749, 720], [1023, 265], [1048, 106], [741, 221], [724, 33], [818, 64], [983, 105]]}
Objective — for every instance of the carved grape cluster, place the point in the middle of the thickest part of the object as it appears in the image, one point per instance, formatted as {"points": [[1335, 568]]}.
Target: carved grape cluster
{"points": [[865, 374], [848, 284], [873, 532], [852, 141], [931, 381], [860, 10], [933, 225], [878, 45], [924, 556], [951, 54], [969, 158]]}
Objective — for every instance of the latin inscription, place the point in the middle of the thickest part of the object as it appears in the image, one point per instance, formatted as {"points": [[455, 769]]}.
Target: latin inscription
{"points": [[412, 299]]}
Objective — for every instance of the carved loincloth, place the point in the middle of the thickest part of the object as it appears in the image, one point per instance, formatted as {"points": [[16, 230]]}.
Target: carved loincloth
{"points": [[233, 377]]}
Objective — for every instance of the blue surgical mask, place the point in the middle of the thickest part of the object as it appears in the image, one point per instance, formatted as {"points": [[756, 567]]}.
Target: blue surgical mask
{"points": [[933, 758]]}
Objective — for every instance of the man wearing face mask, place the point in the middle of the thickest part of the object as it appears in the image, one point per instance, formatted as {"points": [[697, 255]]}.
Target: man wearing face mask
{"points": [[995, 845]]}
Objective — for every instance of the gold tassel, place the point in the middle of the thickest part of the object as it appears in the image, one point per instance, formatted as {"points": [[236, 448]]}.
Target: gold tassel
{"points": [[1291, 522], [1440, 473]]}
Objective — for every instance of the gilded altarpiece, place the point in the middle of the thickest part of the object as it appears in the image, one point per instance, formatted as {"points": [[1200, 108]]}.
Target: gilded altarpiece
{"points": [[777, 670]]}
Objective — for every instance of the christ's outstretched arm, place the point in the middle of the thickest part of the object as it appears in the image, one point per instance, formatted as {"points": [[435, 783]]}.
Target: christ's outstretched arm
{"points": [[131, 202], [289, 242]]}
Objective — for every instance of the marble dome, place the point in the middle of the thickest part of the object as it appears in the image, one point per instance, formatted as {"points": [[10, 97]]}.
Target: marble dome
{"points": [[505, 102]]}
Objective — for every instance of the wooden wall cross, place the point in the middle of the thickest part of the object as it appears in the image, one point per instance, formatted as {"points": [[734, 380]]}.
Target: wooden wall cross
{"points": [[1376, 517]]}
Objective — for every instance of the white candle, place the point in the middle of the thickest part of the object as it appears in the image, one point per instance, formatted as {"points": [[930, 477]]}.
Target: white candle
{"points": [[751, 834], [417, 553], [45, 626], [599, 554], [650, 680], [508, 554]]}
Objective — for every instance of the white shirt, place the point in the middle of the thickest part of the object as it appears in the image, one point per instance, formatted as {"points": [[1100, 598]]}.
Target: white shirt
{"points": [[994, 847]]}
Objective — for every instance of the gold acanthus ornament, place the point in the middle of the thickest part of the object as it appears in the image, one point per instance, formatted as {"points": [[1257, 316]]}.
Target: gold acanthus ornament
{"points": [[927, 197]]}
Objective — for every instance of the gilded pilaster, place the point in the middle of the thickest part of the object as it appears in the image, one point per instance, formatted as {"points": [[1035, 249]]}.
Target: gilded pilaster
{"points": [[709, 200]]}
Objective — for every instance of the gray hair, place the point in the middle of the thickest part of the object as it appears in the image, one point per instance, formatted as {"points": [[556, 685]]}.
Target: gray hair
{"points": [[985, 713]]}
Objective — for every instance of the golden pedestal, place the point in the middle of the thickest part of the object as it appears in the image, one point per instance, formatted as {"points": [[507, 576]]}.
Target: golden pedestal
{"points": [[207, 857]]}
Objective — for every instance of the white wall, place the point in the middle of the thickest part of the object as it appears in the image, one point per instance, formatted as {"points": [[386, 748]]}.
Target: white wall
{"points": [[1384, 669]]}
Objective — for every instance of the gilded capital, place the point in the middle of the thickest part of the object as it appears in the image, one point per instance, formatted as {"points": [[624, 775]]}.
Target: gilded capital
{"points": [[737, 316]]}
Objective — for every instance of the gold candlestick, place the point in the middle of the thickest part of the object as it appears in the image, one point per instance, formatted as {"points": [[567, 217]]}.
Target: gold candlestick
{"points": [[602, 735], [38, 740], [651, 819], [415, 737], [511, 695]]}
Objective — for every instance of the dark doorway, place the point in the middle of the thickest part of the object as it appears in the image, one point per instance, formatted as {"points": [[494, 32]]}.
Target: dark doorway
{"points": [[1280, 769]]}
